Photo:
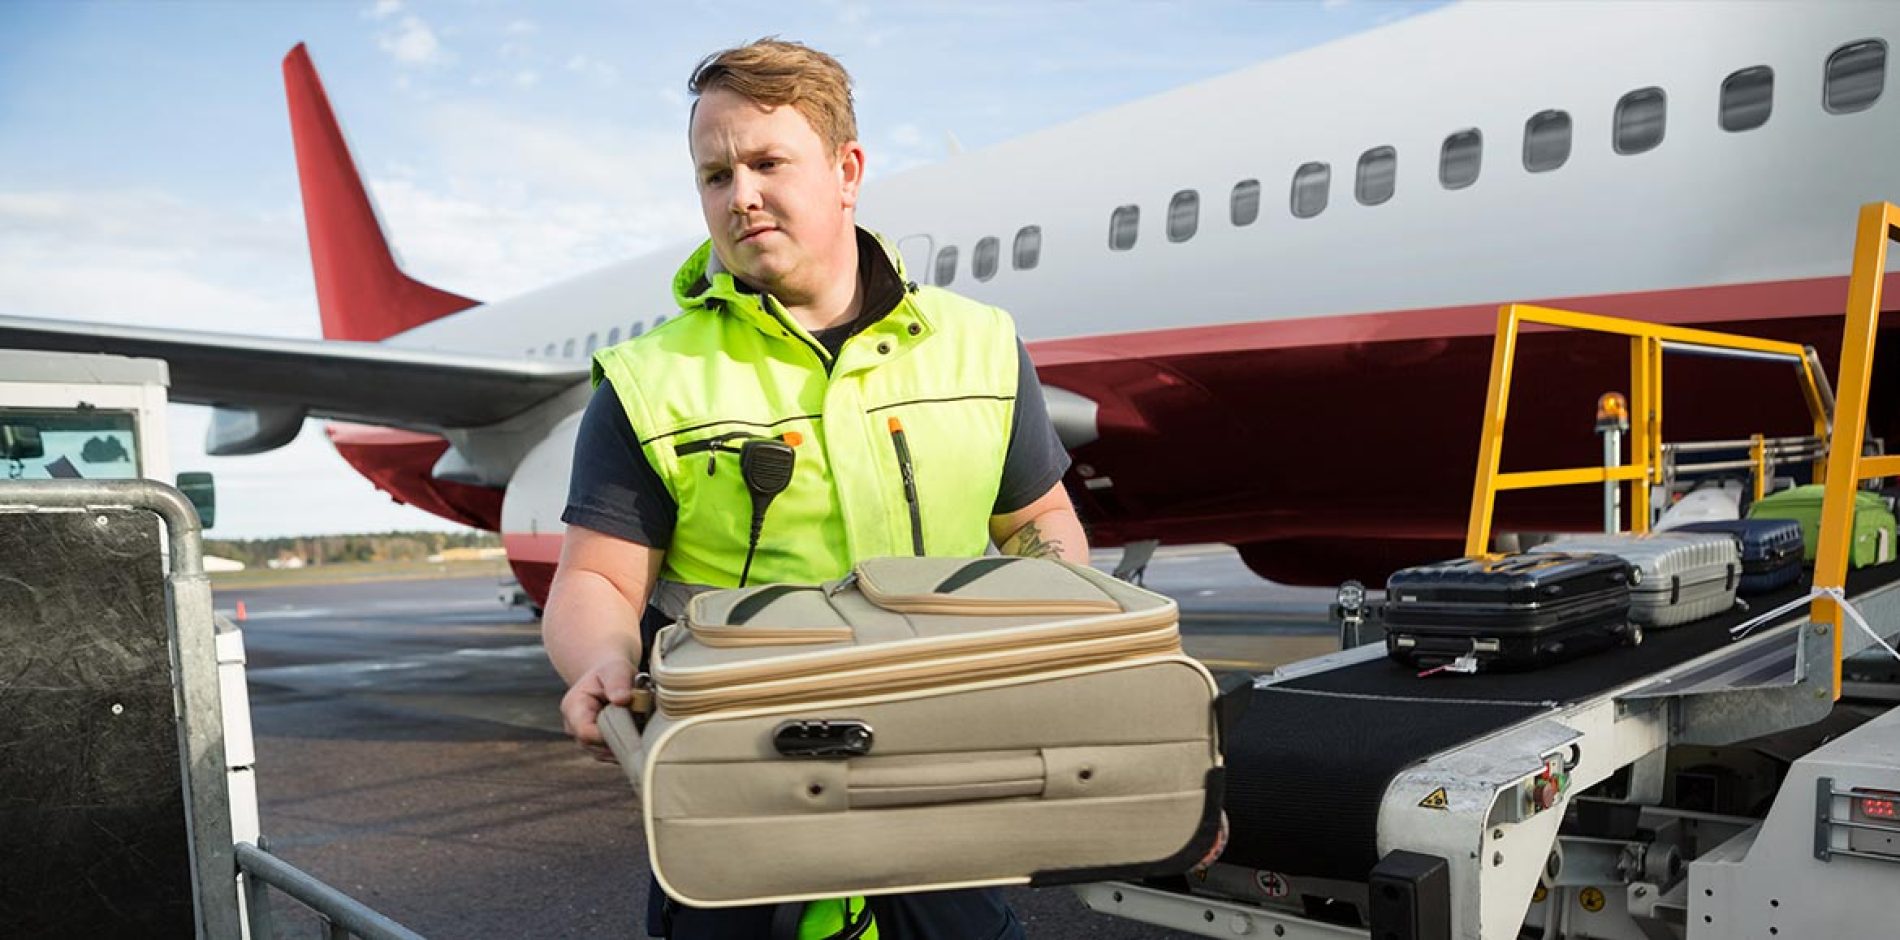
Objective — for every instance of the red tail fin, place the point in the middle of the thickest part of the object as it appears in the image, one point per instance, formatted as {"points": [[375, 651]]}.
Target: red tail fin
{"points": [[361, 293]]}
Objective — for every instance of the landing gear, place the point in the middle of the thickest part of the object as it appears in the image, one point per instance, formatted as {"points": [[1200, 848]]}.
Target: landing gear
{"points": [[1135, 558]]}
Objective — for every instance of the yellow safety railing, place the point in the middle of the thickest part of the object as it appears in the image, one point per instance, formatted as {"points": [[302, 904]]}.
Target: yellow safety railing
{"points": [[1843, 469], [1846, 467], [1648, 342]]}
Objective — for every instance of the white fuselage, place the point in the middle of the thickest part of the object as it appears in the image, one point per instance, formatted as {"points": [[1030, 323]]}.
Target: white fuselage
{"points": [[1706, 206]]}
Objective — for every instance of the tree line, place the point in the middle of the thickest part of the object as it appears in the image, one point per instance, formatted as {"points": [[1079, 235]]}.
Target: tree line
{"points": [[332, 549]]}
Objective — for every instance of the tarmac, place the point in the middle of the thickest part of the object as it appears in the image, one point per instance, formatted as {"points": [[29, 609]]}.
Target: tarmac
{"points": [[410, 753]]}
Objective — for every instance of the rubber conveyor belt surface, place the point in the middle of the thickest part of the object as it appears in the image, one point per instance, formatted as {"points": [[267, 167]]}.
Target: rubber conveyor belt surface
{"points": [[1309, 761]]}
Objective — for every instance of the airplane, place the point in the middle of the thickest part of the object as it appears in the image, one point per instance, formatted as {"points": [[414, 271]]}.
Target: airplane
{"points": [[1261, 306]]}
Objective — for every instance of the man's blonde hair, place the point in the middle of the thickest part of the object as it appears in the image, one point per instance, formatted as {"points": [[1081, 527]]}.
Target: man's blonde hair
{"points": [[774, 72]]}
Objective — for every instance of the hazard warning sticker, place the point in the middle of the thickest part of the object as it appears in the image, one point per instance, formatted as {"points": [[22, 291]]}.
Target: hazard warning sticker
{"points": [[1271, 884], [1436, 800]]}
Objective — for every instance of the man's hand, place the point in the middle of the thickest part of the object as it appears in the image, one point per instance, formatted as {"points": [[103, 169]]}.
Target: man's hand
{"points": [[609, 683], [592, 626]]}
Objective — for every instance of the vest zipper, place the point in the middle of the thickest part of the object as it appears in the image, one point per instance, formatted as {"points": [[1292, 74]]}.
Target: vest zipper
{"points": [[909, 474]]}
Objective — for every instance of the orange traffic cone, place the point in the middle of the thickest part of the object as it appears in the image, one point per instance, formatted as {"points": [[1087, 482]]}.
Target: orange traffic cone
{"points": [[240, 612]]}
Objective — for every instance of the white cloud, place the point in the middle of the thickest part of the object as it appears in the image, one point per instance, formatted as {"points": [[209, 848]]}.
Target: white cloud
{"points": [[149, 258], [152, 259], [520, 202], [522, 28], [1333, 4], [907, 135], [412, 42], [527, 78], [383, 9], [604, 72]]}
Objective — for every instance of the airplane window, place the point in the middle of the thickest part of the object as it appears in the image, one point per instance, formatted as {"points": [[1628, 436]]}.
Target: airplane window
{"points": [[946, 264], [550, 351], [1123, 226], [1310, 185], [1378, 176], [593, 342], [1546, 141], [1244, 206], [1460, 159], [567, 349], [1639, 120], [1855, 74], [1184, 215], [613, 336], [1028, 248], [530, 352], [1747, 97], [633, 330], [983, 261]]}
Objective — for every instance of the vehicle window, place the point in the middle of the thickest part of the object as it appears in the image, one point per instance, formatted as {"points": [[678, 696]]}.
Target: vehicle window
{"points": [[1378, 176], [1546, 141], [983, 261], [1311, 182], [1244, 206], [1184, 215], [1747, 97], [1028, 248], [1123, 226], [946, 264], [1460, 159], [90, 445], [1639, 121], [1856, 73]]}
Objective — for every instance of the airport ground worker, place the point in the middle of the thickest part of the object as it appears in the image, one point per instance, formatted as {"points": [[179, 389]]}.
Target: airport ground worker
{"points": [[913, 416]]}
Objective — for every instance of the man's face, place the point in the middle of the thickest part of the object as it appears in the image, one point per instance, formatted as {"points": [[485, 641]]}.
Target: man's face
{"points": [[776, 198]]}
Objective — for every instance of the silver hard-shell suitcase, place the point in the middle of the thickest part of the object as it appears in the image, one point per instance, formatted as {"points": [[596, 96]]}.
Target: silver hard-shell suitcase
{"points": [[1679, 577]]}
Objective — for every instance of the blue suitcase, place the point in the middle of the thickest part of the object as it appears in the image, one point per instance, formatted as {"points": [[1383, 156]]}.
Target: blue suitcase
{"points": [[1771, 550]]}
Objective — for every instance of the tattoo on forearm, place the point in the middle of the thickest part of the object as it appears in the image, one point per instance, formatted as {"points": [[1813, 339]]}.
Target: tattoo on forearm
{"points": [[1029, 542]]}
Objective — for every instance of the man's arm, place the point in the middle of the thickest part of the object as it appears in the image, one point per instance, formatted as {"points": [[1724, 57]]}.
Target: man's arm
{"points": [[591, 627], [1046, 528]]}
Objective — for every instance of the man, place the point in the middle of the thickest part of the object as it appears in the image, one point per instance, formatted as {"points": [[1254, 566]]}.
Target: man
{"points": [[913, 414]]}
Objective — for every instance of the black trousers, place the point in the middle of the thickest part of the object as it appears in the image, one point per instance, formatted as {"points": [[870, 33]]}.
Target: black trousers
{"points": [[974, 914]]}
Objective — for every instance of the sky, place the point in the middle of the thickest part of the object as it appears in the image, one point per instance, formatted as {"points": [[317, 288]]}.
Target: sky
{"points": [[146, 171]]}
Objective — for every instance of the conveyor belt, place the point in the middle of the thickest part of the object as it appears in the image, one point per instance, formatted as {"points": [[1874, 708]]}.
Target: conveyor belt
{"points": [[1309, 762]]}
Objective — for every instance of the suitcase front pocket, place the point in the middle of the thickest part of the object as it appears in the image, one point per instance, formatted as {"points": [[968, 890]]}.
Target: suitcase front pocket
{"points": [[776, 615], [1001, 586]]}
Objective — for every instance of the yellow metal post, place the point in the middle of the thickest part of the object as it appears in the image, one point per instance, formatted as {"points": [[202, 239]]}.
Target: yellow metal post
{"points": [[1491, 438], [1653, 350], [1640, 434], [1857, 361]]}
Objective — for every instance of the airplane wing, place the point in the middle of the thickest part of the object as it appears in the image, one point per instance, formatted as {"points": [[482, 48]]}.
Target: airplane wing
{"points": [[370, 383]]}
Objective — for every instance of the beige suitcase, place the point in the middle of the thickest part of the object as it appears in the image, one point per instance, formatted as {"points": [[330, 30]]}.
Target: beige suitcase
{"points": [[924, 724]]}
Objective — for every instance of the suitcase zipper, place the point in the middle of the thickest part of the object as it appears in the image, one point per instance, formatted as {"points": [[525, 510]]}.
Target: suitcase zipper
{"points": [[978, 667], [854, 659]]}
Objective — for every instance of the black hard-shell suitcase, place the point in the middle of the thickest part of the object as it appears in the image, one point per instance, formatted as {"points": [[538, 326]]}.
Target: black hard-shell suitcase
{"points": [[1771, 550], [1514, 612]]}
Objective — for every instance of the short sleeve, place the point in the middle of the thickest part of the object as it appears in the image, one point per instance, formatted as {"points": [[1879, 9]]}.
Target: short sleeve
{"points": [[613, 489], [1036, 460]]}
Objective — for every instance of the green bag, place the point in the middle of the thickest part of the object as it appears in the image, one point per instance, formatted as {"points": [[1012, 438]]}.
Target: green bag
{"points": [[1873, 522]]}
